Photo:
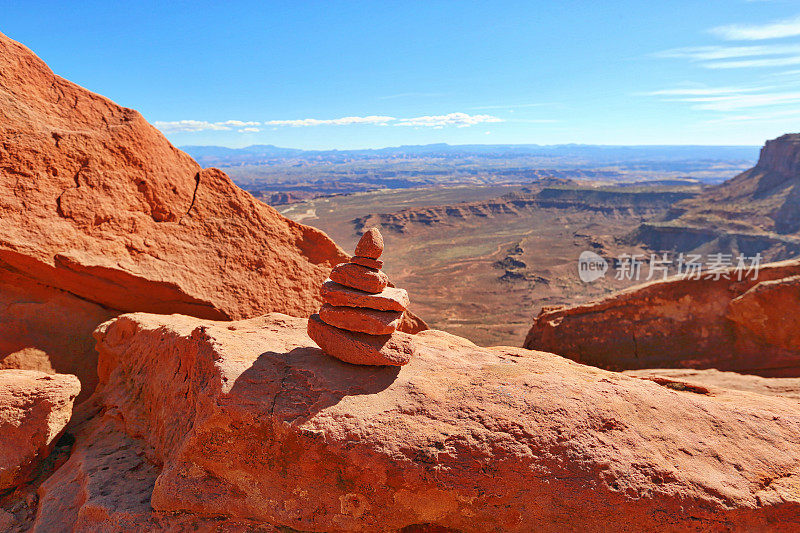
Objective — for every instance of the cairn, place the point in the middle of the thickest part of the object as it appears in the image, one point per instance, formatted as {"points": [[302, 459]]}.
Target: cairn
{"points": [[361, 312]]}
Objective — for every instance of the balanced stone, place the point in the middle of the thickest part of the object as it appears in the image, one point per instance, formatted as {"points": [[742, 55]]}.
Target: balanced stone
{"points": [[377, 264], [360, 277], [389, 299], [359, 319], [371, 244], [360, 348]]}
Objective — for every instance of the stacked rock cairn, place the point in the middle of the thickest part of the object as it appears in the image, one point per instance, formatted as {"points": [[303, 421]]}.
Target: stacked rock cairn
{"points": [[361, 312]]}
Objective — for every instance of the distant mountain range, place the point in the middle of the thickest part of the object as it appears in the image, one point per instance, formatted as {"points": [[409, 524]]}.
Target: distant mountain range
{"points": [[581, 153]]}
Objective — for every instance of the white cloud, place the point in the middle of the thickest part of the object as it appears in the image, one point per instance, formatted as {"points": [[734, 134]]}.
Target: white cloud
{"points": [[704, 91], [344, 121], [775, 30], [190, 126], [742, 101], [710, 53], [459, 120], [238, 123], [755, 63]]}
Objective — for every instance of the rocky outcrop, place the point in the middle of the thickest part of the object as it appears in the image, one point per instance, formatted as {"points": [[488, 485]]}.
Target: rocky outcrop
{"points": [[747, 326], [34, 410], [248, 420], [100, 214], [764, 199]]}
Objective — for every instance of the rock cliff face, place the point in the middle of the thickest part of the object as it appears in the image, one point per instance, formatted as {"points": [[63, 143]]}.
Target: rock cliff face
{"points": [[762, 200], [745, 326], [249, 421], [100, 214], [757, 211], [782, 156]]}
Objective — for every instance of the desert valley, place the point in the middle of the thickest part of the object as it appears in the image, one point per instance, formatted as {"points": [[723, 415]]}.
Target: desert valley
{"points": [[517, 343]]}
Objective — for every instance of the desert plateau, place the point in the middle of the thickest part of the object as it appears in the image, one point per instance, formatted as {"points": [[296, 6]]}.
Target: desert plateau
{"points": [[485, 289]]}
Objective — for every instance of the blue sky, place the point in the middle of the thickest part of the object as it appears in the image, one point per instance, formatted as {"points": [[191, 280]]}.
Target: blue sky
{"points": [[343, 74]]}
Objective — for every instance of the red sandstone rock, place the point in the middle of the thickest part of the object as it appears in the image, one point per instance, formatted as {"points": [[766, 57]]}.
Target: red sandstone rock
{"points": [[687, 378], [106, 486], [394, 349], [389, 299], [359, 277], [683, 323], [377, 264], [361, 319], [34, 409], [370, 245], [100, 214], [770, 313], [250, 420]]}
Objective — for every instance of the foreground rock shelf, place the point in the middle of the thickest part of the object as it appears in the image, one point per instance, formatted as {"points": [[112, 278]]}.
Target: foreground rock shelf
{"points": [[252, 422]]}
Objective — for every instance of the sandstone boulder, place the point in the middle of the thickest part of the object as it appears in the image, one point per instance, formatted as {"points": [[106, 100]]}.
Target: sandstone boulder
{"points": [[747, 326], [251, 421], [34, 409]]}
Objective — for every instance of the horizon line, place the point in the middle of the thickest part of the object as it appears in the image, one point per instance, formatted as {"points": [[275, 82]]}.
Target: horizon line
{"points": [[469, 144]]}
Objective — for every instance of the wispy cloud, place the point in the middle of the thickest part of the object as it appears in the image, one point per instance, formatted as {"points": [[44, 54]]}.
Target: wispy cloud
{"points": [[733, 102], [705, 91], [774, 30], [756, 63], [459, 120], [344, 121], [188, 126], [711, 53]]}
